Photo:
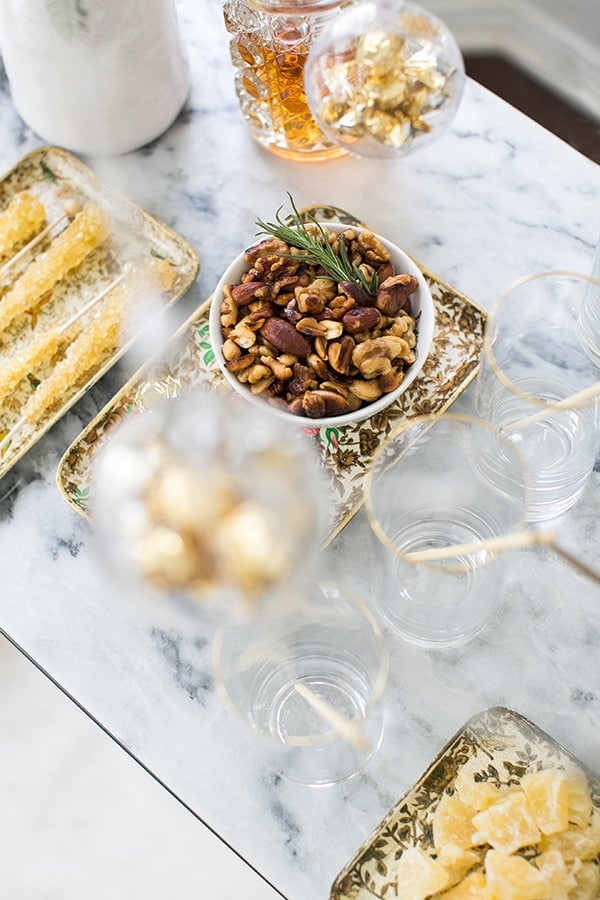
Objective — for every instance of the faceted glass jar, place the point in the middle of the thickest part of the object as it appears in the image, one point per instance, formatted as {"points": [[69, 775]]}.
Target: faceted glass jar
{"points": [[270, 43]]}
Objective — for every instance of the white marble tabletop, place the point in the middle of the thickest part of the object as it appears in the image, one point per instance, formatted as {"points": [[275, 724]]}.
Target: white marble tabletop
{"points": [[493, 199]]}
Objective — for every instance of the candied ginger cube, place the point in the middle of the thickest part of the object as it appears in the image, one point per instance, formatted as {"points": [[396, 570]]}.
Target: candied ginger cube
{"points": [[418, 875], [548, 799], [579, 798], [472, 888], [453, 823], [507, 825], [576, 843], [477, 794], [552, 865], [587, 882], [513, 878], [456, 861]]}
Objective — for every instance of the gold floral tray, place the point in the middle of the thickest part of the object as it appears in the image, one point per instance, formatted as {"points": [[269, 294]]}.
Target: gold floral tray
{"points": [[498, 744], [56, 176], [345, 452]]}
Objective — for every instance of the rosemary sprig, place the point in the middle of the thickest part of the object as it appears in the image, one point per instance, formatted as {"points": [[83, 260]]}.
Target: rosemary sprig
{"points": [[317, 249]]}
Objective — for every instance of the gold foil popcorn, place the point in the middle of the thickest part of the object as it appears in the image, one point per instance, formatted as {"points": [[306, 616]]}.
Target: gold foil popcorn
{"points": [[379, 83]]}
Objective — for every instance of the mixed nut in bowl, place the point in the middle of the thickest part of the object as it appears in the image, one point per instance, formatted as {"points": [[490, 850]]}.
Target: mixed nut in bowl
{"points": [[324, 324]]}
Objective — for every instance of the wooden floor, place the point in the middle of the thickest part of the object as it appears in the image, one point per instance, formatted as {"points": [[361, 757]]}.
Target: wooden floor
{"points": [[537, 101]]}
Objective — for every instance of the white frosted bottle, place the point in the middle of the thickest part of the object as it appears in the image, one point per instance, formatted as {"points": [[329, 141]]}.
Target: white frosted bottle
{"points": [[98, 77]]}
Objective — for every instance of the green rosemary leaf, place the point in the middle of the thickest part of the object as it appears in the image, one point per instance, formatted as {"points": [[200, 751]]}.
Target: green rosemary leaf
{"points": [[315, 244]]}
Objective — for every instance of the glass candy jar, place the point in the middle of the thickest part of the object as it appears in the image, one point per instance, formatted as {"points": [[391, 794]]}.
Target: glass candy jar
{"points": [[270, 43]]}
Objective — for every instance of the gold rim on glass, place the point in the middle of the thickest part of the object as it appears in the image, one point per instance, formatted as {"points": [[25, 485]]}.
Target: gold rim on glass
{"points": [[452, 550], [489, 335]]}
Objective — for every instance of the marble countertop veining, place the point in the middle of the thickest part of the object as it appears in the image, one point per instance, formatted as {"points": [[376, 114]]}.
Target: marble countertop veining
{"points": [[493, 199]]}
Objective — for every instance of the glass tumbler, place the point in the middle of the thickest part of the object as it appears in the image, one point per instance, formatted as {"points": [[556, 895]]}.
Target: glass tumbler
{"points": [[203, 507], [539, 383], [270, 43], [308, 679], [425, 491]]}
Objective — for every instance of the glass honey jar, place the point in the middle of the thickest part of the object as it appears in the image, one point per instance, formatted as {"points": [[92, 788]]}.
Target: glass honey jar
{"points": [[270, 44]]}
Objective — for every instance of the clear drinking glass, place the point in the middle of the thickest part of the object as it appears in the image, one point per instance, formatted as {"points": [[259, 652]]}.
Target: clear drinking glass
{"points": [[588, 321], [308, 679], [426, 490], [539, 383]]}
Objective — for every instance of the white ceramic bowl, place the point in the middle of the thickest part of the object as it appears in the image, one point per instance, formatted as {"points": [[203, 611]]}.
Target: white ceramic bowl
{"points": [[421, 306]]}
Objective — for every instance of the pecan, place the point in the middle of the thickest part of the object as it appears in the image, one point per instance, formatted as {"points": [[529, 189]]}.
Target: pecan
{"points": [[270, 247], [372, 248], [284, 337], [365, 318], [385, 271], [242, 362], [261, 311], [303, 378], [393, 294], [339, 354], [336, 388], [356, 292]]}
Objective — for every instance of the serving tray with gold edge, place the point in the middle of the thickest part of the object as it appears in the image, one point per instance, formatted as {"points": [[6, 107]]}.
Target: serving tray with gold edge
{"points": [[345, 452], [57, 176], [500, 746]]}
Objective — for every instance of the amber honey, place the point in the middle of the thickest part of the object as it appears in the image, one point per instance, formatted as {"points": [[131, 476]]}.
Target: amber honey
{"points": [[270, 55]]}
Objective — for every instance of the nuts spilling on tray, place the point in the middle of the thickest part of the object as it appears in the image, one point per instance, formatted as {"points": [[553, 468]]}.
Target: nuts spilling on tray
{"points": [[313, 344]]}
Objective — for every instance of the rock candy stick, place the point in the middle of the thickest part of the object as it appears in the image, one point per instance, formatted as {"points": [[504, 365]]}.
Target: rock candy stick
{"points": [[44, 346], [87, 352], [95, 342], [86, 232], [23, 216], [71, 209]]}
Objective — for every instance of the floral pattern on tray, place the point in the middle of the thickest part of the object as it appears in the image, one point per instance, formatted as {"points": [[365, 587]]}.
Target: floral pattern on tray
{"points": [[345, 452], [500, 746]]}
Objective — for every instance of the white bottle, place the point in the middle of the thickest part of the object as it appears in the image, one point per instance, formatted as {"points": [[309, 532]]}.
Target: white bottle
{"points": [[95, 76]]}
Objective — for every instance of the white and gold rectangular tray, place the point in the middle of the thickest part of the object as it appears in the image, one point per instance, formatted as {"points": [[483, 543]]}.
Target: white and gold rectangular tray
{"points": [[56, 177], [500, 746], [345, 452]]}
